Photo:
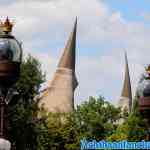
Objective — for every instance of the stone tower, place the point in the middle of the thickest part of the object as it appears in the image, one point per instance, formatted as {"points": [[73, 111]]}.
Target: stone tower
{"points": [[59, 95], [125, 101]]}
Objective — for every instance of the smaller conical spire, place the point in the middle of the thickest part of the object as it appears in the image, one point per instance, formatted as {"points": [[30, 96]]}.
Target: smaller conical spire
{"points": [[126, 91], [69, 55]]}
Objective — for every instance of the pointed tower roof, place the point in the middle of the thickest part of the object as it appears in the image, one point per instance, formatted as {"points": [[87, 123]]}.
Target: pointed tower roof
{"points": [[68, 58], [126, 91]]}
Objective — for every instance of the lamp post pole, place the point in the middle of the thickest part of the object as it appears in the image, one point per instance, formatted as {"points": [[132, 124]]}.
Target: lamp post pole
{"points": [[2, 112], [4, 143]]}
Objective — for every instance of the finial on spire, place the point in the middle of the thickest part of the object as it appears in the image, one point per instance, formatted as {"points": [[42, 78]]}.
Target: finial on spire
{"points": [[6, 26]]}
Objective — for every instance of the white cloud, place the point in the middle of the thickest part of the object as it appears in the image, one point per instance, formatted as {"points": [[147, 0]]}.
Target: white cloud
{"points": [[44, 26]]}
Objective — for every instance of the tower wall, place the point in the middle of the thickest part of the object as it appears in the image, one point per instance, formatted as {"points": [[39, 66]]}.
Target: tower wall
{"points": [[59, 96], [124, 103]]}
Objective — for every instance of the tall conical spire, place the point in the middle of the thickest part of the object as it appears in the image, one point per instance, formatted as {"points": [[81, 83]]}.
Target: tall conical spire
{"points": [[59, 96], [126, 91], [68, 58]]}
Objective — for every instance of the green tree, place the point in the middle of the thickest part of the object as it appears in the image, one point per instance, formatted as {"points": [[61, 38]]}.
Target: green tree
{"points": [[52, 132], [23, 108], [134, 128], [94, 119]]}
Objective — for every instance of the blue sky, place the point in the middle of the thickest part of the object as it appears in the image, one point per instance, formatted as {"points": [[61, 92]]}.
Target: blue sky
{"points": [[105, 29], [131, 9]]}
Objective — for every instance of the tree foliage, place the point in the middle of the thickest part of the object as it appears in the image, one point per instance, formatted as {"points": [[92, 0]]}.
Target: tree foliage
{"points": [[94, 119], [134, 128], [23, 107]]}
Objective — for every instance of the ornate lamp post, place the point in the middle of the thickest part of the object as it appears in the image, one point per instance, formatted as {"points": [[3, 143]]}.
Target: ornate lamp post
{"points": [[144, 91], [10, 60], [143, 94]]}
